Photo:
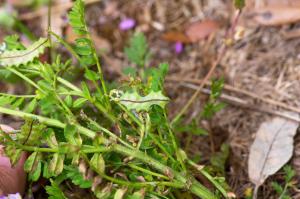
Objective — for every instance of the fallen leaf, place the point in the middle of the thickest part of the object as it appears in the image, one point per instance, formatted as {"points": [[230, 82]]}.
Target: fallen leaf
{"points": [[277, 15], [272, 148], [201, 29], [174, 36]]}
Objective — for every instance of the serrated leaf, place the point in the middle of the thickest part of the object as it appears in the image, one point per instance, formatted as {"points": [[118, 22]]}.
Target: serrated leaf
{"points": [[77, 178], [72, 135], [54, 191], [138, 52], [272, 148], [12, 43], [18, 57], [134, 101], [76, 17], [31, 132]]}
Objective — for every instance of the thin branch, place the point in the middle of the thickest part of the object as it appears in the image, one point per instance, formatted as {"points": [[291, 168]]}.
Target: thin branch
{"points": [[223, 50]]}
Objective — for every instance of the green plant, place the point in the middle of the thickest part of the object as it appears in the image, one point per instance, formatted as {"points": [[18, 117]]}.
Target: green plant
{"points": [[283, 191], [122, 136]]}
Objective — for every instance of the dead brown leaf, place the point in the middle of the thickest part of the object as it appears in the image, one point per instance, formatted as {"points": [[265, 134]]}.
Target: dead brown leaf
{"points": [[201, 29], [174, 36]]}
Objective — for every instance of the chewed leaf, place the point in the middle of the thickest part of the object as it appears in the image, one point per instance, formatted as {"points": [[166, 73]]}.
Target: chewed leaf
{"points": [[18, 57], [136, 101]]}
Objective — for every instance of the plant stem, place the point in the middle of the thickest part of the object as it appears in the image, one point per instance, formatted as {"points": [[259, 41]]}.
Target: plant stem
{"points": [[209, 177], [147, 171], [141, 184], [24, 78], [45, 120], [193, 185], [17, 96], [109, 133], [68, 84], [189, 182]]}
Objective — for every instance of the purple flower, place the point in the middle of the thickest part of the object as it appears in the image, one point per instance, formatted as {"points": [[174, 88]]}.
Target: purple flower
{"points": [[3, 197], [127, 24], [178, 47]]}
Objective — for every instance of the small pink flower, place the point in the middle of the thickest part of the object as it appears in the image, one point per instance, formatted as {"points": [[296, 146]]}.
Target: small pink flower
{"points": [[178, 47], [127, 24]]}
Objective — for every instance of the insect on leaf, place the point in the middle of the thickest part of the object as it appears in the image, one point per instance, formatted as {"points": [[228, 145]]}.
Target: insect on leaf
{"points": [[272, 148], [18, 57]]}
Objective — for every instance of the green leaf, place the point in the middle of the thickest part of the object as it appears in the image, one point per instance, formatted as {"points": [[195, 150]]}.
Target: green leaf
{"points": [[56, 165], [289, 173], [50, 138], [54, 191], [218, 160], [35, 175], [83, 46], [18, 57], [31, 106], [131, 71], [134, 101], [98, 163], [29, 164], [79, 103], [12, 43], [216, 88], [85, 90], [138, 51], [77, 178], [72, 135], [13, 153], [91, 75], [76, 18], [158, 76], [4, 100], [31, 132], [69, 101], [277, 187]]}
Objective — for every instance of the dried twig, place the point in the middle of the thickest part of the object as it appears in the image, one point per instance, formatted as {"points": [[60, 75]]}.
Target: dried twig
{"points": [[235, 101], [240, 91], [228, 36]]}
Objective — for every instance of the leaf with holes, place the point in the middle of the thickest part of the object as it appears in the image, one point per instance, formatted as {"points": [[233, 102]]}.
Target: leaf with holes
{"points": [[272, 148], [18, 57], [134, 101]]}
